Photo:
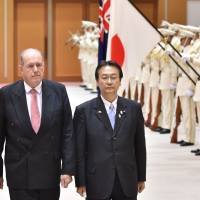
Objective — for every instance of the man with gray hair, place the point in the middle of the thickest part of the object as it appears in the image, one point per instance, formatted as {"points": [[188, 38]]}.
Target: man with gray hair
{"points": [[36, 123]]}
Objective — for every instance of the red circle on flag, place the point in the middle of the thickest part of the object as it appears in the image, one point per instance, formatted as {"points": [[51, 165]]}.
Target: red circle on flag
{"points": [[117, 50]]}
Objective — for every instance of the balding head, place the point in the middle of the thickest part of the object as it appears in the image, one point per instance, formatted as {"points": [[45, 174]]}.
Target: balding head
{"points": [[32, 66], [29, 52]]}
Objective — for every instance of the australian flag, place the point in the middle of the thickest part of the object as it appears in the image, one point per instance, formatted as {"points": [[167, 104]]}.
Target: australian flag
{"points": [[104, 20]]}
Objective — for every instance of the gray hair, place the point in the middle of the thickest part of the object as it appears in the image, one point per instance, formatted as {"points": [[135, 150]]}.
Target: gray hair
{"points": [[25, 51]]}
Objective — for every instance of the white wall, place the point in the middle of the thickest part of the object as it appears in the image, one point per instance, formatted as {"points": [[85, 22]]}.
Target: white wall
{"points": [[193, 12]]}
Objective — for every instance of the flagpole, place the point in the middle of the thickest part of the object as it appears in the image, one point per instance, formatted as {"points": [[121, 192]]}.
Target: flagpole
{"points": [[177, 64], [167, 42], [144, 16], [186, 60]]}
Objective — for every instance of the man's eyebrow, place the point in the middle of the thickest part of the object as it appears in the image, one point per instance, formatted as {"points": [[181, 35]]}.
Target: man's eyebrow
{"points": [[110, 74]]}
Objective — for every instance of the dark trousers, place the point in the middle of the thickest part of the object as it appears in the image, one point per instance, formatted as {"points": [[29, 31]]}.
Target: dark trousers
{"points": [[44, 194], [117, 192]]}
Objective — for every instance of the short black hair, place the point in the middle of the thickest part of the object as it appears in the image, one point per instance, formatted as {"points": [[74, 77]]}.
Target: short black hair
{"points": [[110, 63]]}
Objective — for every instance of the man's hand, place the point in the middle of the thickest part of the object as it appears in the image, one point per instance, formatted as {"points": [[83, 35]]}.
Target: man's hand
{"points": [[82, 191], [65, 180], [141, 186], [1, 182]]}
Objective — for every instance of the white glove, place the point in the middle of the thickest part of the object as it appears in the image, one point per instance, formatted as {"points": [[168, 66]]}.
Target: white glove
{"points": [[189, 92], [168, 52], [172, 86], [185, 58]]}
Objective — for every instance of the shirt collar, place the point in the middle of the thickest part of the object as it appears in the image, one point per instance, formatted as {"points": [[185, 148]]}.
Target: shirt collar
{"points": [[107, 103], [38, 88]]}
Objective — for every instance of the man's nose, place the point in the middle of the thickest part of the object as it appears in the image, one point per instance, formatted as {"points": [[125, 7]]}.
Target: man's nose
{"points": [[35, 69], [109, 80]]}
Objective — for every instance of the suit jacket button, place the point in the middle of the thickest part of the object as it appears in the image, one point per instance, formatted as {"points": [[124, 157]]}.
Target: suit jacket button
{"points": [[114, 138]]}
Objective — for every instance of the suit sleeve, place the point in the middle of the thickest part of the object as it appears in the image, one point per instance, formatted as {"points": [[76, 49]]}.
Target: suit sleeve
{"points": [[140, 146], [79, 127], [68, 150], [2, 132]]}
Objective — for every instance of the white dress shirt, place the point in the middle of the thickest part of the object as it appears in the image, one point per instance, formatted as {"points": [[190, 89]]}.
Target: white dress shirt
{"points": [[107, 104]]}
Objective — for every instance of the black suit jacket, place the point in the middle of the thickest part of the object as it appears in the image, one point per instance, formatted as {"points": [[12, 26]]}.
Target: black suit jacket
{"points": [[101, 151], [33, 161]]}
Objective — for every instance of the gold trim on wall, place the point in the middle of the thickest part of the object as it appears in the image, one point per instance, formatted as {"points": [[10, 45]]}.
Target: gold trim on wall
{"points": [[50, 38], [1, 40], [5, 40]]}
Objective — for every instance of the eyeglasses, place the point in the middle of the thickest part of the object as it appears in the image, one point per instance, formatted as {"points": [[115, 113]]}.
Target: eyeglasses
{"points": [[111, 78], [32, 65]]}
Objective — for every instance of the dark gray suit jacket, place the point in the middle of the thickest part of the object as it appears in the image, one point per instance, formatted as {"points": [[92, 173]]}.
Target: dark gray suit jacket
{"points": [[33, 161], [101, 152]]}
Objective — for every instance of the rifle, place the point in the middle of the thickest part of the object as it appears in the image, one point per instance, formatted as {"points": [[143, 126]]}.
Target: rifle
{"points": [[178, 120], [129, 90], [142, 95], [178, 64], [148, 121], [155, 124], [136, 92]]}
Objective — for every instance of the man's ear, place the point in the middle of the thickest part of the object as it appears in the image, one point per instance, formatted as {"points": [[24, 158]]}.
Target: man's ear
{"points": [[97, 83], [20, 69], [43, 66]]}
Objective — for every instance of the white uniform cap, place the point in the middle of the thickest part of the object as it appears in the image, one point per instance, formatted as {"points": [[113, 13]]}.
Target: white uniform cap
{"points": [[165, 23], [87, 24], [186, 33], [194, 29], [177, 27], [166, 32]]}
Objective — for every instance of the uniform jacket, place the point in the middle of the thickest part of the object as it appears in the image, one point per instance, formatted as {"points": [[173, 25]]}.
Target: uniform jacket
{"points": [[154, 75], [196, 96], [165, 72], [101, 152], [33, 161], [145, 73]]}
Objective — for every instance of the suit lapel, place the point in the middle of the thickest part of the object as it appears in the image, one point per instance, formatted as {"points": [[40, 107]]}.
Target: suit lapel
{"points": [[47, 107], [120, 114], [20, 104], [101, 113], [103, 116], [47, 112]]}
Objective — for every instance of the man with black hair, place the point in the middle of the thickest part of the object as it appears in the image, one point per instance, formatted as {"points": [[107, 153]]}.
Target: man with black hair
{"points": [[110, 141]]}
